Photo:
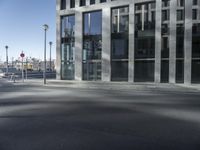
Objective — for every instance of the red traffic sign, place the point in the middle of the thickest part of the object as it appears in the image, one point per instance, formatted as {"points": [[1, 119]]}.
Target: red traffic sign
{"points": [[22, 54]]}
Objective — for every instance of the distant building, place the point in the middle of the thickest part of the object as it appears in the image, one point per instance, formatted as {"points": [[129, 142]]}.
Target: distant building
{"points": [[129, 40], [52, 68]]}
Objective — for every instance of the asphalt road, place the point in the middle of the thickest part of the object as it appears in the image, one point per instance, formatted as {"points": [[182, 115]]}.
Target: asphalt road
{"points": [[34, 117]]}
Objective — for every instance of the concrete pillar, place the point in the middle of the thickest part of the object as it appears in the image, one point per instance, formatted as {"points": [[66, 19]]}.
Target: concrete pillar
{"points": [[87, 2], [131, 42], [97, 1], [77, 3], [106, 44], [78, 45], [172, 42], [58, 5], [158, 41], [67, 4], [188, 42], [58, 42]]}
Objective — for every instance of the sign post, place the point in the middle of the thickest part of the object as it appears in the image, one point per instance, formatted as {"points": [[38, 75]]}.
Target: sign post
{"points": [[22, 56]]}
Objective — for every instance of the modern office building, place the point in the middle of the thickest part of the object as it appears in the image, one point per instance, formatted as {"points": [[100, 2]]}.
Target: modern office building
{"points": [[129, 40]]}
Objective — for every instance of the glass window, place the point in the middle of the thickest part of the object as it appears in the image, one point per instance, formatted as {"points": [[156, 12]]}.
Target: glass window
{"points": [[195, 71], [153, 5], [119, 71], [145, 47], [165, 29], [93, 23], [67, 71], [165, 71], [67, 47], [165, 47], [102, 1], [72, 3], [63, 4], [165, 15], [194, 14], [179, 71], [82, 2], [92, 71], [144, 71], [68, 26], [180, 15], [180, 41], [196, 41], [120, 20], [120, 44], [120, 48], [144, 20], [180, 3], [92, 2], [92, 45], [195, 2], [144, 43], [165, 3]]}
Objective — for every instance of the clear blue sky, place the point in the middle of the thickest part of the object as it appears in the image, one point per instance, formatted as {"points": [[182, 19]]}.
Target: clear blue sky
{"points": [[21, 24]]}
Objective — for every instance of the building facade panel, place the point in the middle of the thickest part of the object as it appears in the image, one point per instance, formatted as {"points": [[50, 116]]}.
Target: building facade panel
{"points": [[129, 40]]}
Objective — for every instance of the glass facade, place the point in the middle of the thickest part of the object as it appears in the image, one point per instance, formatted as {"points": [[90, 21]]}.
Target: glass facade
{"points": [[92, 45], [165, 41], [119, 44], [144, 42], [196, 53], [143, 45], [67, 47]]}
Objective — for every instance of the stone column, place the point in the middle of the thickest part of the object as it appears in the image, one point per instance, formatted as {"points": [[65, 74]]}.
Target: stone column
{"points": [[97, 1], [78, 45], [87, 2], [77, 3], [172, 42], [158, 41], [188, 42], [131, 42], [58, 42], [67, 4], [106, 44]]}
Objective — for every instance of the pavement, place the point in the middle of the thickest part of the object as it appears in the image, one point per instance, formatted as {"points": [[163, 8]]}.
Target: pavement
{"points": [[65, 115], [111, 85]]}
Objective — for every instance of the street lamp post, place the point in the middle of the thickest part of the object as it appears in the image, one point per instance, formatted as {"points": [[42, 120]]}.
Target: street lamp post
{"points": [[26, 68], [45, 34], [6, 59], [50, 43], [22, 56]]}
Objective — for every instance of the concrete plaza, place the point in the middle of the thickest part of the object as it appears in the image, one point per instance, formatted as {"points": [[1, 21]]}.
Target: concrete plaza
{"points": [[98, 116]]}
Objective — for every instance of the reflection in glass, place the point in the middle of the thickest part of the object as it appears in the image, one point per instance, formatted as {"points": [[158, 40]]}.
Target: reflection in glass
{"points": [[92, 45], [119, 44], [91, 70], [196, 41], [196, 71], [165, 71], [120, 48], [179, 71], [196, 53], [144, 71], [144, 42], [67, 47], [119, 70], [120, 20]]}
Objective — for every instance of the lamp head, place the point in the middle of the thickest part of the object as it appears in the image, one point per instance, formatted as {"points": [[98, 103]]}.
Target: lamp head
{"points": [[45, 27]]}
